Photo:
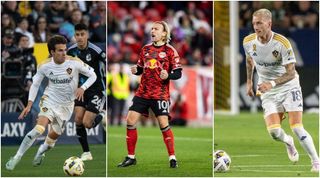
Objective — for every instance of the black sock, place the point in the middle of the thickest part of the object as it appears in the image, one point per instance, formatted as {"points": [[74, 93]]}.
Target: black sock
{"points": [[97, 120], [82, 137]]}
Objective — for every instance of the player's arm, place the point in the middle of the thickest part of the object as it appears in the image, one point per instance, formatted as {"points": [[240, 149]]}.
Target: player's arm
{"points": [[37, 79], [138, 68], [249, 69], [175, 74], [289, 75], [89, 72]]}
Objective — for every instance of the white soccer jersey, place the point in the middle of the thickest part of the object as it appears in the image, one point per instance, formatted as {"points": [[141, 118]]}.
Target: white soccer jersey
{"points": [[270, 59], [63, 80]]}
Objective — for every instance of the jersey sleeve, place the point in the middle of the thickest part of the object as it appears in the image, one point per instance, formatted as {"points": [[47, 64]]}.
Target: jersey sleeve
{"points": [[88, 71], [37, 79], [175, 59], [140, 62], [287, 53]]}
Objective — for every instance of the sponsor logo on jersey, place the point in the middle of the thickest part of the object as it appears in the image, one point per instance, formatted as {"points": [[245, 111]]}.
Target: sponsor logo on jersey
{"points": [[44, 109], [51, 73], [275, 53], [69, 70], [61, 81], [152, 64], [162, 55], [269, 64]]}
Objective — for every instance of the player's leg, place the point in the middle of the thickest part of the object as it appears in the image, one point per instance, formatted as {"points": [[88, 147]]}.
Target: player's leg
{"points": [[131, 138], [273, 122], [305, 139], [28, 140], [81, 131], [49, 143], [168, 139]]}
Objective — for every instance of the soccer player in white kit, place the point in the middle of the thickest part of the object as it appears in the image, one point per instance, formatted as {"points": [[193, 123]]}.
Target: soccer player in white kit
{"points": [[57, 102], [278, 84]]}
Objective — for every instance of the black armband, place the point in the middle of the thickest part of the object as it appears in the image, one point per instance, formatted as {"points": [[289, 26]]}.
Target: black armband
{"points": [[139, 70], [175, 74]]}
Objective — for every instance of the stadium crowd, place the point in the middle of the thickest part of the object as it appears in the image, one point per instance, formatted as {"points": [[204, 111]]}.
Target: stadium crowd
{"points": [[190, 22], [286, 14], [24, 23]]}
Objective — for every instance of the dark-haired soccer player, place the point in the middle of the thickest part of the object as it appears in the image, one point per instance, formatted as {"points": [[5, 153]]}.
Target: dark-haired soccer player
{"points": [[89, 111], [57, 102], [158, 63]]}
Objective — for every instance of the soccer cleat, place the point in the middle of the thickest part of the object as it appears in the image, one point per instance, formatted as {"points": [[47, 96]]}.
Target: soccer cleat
{"points": [[173, 163], [315, 167], [127, 162], [11, 164], [38, 160], [292, 151], [86, 156]]}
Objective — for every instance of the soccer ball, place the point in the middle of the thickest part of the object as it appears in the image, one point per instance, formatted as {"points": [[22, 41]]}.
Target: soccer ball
{"points": [[73, 166], [222, 161]]}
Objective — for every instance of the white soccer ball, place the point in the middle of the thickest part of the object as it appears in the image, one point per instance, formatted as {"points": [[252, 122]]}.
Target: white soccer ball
{"points": [[222, 161], [73, 166]]}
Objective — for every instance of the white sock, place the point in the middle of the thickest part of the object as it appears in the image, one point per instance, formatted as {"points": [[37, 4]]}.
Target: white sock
{"points": [[172, 157], [28, 140], [278, 134], [47, 145], [306, 142], [131, 156]]}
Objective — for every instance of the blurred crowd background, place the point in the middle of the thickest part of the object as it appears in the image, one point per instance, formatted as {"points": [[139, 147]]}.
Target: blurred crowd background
{"points": [[24, 24], [129, 25], [285, 14]]}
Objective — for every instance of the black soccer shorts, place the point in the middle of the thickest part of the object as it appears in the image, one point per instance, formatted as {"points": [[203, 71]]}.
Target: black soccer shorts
{"points": [[141, 105], [94, 101]]}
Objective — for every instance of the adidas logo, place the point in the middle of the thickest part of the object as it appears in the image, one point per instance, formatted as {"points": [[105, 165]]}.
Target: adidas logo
{"points": [[51, 73], [254, 54], [300, 105]]}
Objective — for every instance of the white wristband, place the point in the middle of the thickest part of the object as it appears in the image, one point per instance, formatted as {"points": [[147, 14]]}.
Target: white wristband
{"points": [[273, 83]]}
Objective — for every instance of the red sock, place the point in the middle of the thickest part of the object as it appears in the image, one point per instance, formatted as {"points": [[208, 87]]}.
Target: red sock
{"points": [[132, 137], [169, 141]]}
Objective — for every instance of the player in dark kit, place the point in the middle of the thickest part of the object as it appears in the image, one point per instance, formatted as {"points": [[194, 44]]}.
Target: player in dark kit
{"points": [[88, 112], [158, 63]]}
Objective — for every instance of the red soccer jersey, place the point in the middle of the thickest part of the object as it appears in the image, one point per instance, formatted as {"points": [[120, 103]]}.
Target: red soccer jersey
{"points": [[153, 59]]}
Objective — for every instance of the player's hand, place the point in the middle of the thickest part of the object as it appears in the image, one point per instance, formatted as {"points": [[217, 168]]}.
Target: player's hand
{"points": [[134, 69], [249, 89], [79, 94], [264, 87], [25, 111], [164, 74]]}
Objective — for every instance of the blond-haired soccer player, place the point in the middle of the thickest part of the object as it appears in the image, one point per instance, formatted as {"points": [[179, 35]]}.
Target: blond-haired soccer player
{"points": [[57, 102], [273, 57], [158, 63]]}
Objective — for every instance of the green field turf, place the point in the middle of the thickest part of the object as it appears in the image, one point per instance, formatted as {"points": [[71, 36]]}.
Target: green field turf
{"points": [[53, 162], [254, 154], [193, 147]]}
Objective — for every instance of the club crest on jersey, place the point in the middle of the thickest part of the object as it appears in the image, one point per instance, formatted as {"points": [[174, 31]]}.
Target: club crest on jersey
{"points": [[152, 64], [69, 70], [275, 53], [88, 57], [162, 55], [44, 109]]}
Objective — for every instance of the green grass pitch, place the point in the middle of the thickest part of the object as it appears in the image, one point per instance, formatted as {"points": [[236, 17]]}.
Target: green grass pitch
{"points": [[53, 162], [193, 147], [254, 154]]}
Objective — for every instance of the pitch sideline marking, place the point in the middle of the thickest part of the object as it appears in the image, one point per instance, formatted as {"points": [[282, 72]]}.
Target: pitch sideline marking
{"points": [[175, 138], [253, 155], [253, 166], [272, 171]]}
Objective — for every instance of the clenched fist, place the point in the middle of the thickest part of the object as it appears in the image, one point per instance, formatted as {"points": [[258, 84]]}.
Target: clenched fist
{"points": [[164, 74], [134, 69]]}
